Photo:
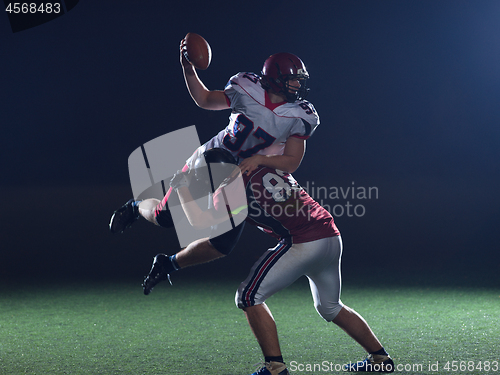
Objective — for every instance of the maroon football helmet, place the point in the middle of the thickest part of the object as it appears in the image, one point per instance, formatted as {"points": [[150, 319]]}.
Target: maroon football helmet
{"points": [[279, 69]]}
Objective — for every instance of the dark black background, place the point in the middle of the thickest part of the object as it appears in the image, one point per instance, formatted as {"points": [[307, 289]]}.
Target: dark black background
{"points": [[408, 93]]}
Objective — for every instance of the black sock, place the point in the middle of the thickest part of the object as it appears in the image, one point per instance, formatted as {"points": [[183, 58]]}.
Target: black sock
{"points": [[274, 359], [380, 352]]}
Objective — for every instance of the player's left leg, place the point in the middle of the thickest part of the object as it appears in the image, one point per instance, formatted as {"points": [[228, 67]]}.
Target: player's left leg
{"points": [[325, 283], [197, 252], [324, 276]]}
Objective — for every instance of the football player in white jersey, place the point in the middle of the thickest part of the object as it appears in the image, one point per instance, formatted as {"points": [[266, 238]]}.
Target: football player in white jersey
{"points": [[269, 123]]}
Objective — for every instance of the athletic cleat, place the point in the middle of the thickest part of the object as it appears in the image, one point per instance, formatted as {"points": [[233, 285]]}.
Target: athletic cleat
{"points": [[272, 368], [372, 363], [157, 274], [124, 217]]}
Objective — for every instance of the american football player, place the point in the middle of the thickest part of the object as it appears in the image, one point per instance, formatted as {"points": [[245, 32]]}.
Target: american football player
{"points": [[309, 244], [269, 123]]}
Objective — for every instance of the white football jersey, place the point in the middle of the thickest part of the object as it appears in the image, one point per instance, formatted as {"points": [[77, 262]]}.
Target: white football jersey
{"points": [[257, 126]]}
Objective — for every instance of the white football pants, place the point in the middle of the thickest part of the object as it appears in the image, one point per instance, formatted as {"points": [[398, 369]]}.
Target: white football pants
{"points": [[281, 266]]}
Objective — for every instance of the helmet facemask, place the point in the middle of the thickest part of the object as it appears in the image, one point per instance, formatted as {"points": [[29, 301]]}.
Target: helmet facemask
{"points": [[293, 93]]}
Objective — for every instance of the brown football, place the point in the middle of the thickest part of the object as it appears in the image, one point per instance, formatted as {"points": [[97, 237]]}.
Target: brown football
{"points": [[198, 51]]}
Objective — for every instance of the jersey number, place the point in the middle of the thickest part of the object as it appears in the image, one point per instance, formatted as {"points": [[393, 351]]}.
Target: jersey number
{"points": [[252, 77], [306, 108], [243, 127], [279, 187]]}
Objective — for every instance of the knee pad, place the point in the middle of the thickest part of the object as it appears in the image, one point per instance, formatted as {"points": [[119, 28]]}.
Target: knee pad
{"points": [[329, 312], [238, 299], [226, 242]]}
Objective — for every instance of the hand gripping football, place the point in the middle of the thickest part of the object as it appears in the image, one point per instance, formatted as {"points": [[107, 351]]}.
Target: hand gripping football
{"points": [[198, 51]]}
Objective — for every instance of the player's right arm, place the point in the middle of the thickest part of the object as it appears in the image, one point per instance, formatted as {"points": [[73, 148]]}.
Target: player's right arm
{"points": [[202, 96]]}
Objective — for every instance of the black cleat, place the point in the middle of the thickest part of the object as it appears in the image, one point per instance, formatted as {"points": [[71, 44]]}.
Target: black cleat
{"points": [[124, 217], [158, 273], [372, 363]]}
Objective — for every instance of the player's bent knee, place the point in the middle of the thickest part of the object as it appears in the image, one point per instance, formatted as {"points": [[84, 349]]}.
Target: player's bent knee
{"points": [[222, 247], [243, 299], [226, 242], [329, 312], [238, 300]]}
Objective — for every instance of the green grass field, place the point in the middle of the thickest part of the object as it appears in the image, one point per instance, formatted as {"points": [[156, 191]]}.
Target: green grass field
{"points": [[194, 328]]}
